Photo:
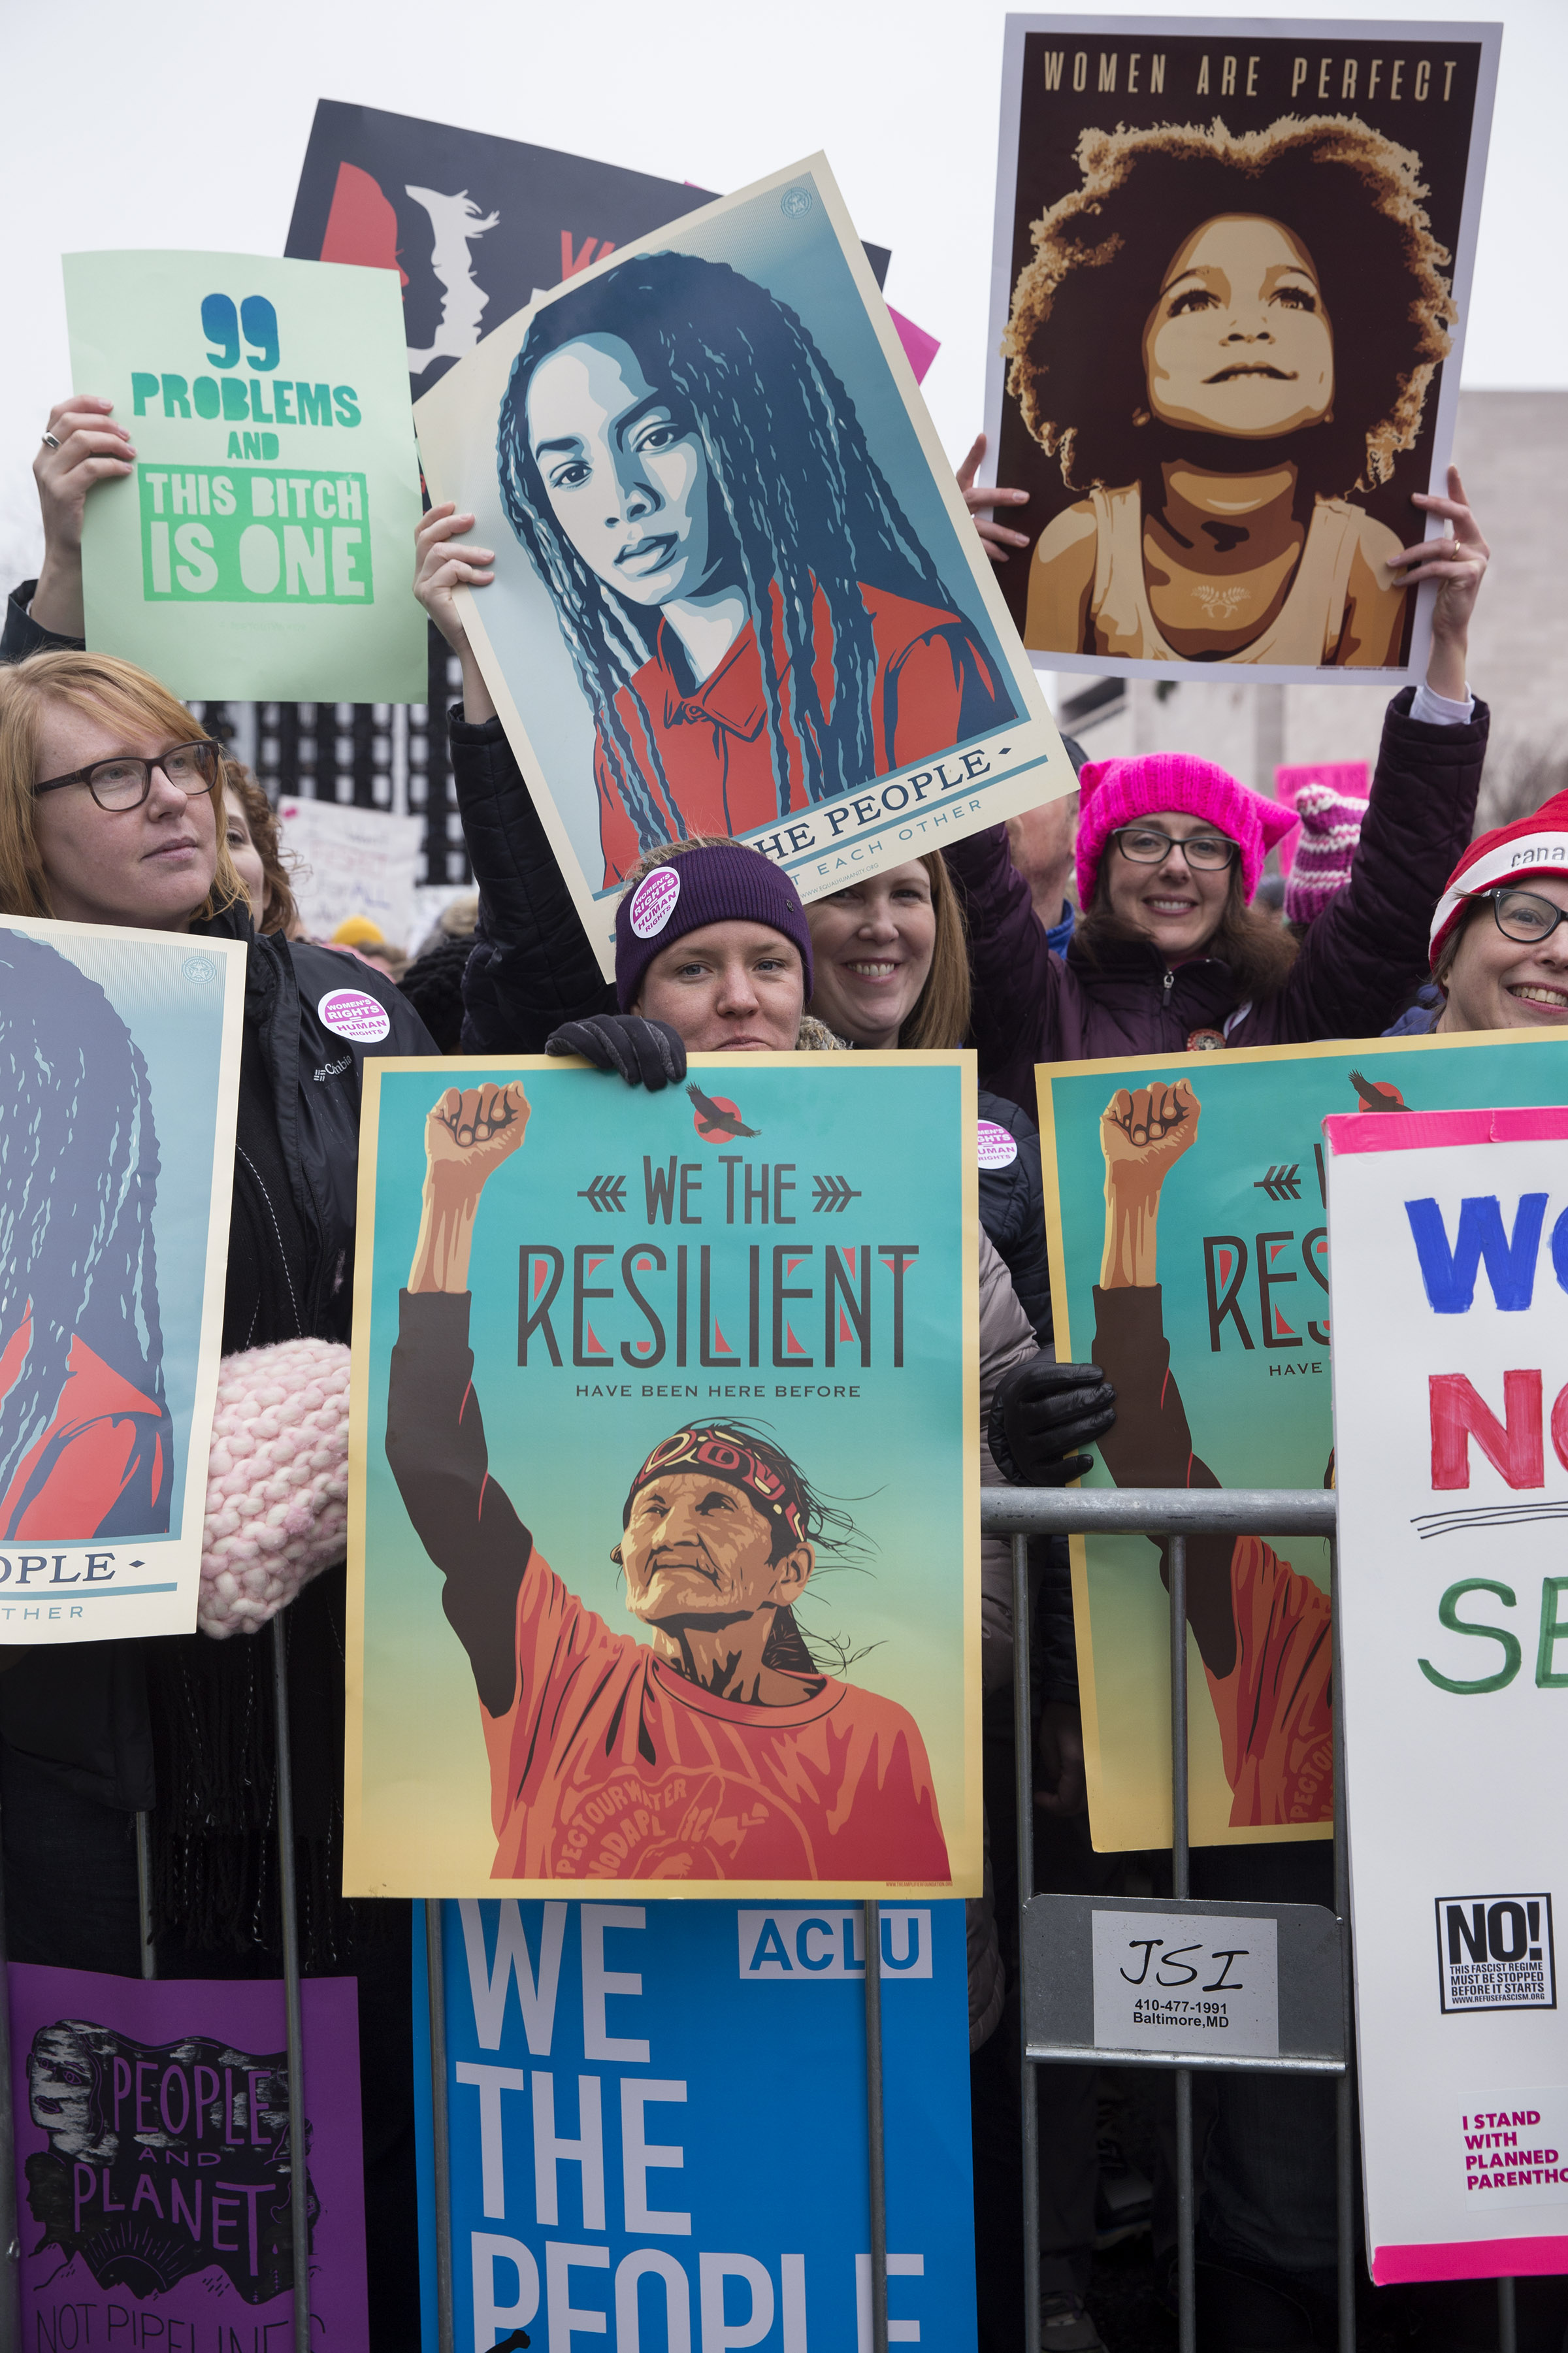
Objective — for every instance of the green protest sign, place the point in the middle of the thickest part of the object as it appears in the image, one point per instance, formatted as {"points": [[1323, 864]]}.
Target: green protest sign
{"points": [[264, 547], [1184, 1201]]}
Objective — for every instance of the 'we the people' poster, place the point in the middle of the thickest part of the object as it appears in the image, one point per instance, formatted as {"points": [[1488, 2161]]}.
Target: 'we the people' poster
{"points": [[1184, 1201], [664, 1532], [154, 2161], [119, 1077], [1450, 1247], [604, 2176], [736, 590], [264, 547], [1230, 284]]}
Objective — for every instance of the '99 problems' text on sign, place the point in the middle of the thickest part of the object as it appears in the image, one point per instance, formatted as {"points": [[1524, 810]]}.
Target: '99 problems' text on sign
{"points": [[243, 536]]}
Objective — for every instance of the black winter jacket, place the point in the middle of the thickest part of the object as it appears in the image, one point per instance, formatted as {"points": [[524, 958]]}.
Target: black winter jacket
{"points": [[84, 1709], [532, 968]]}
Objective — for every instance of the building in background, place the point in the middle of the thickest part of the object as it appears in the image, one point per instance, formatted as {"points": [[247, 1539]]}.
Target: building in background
{"points": [[369, 756], [1512, 452]]}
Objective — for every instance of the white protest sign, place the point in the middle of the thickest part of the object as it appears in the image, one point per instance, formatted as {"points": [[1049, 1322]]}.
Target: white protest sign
{"points": [[360, 863], [1449, 1248]]}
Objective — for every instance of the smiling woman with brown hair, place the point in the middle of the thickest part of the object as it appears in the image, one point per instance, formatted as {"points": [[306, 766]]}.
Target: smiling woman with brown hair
{"points": [[1221, 338]]}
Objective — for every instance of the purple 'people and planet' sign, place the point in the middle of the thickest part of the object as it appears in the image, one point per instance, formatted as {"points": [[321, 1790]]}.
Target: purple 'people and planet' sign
{"points": [[154, 2163]]}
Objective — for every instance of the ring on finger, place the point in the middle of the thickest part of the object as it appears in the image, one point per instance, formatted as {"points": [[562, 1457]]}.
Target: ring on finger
{"points": [[49, 441]]}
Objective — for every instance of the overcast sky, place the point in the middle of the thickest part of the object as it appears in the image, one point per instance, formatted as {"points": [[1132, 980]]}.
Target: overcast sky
{"points": [[185, 126]]}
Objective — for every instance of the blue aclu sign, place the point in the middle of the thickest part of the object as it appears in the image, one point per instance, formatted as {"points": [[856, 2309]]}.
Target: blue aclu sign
{"points": [[657, 2117]]}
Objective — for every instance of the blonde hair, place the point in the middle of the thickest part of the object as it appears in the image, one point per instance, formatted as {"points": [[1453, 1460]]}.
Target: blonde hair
{"points": [[99, 686], [940, 1015]]}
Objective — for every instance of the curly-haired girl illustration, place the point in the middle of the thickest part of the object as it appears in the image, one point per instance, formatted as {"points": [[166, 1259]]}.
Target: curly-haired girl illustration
{"points": [[1221, 339], [752, 617], [84, 1428]]}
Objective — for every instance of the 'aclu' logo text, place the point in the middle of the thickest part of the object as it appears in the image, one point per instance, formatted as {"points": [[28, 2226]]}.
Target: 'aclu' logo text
{"points": [[804, 1948]]}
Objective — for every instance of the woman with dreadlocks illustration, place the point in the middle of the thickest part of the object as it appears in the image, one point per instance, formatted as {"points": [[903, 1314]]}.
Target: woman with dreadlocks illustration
{"points": [[84, 1428], [752, 618]]}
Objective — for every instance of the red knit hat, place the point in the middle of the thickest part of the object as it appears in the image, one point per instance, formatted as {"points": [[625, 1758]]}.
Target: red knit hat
{"points": [[1114, 793], [1534, 846]]}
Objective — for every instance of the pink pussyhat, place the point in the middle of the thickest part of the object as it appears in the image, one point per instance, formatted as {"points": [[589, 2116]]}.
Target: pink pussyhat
{"points": [[1114, 793]]}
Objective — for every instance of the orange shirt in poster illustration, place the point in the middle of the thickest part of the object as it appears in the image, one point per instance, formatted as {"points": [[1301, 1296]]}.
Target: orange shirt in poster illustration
{"points": [[608, 1759]]}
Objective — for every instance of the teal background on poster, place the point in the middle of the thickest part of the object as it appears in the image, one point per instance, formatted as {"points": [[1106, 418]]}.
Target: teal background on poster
{"points": [[886, 1447], [775, 2159], [177, 1021], [1259, 1417]]}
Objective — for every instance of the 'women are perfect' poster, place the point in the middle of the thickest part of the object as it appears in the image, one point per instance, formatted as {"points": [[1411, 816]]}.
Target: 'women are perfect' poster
{"points": [[1230, 282]]}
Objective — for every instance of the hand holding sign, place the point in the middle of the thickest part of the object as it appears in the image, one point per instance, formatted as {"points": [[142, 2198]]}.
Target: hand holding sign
{"points": [[80, 447], [441, 566]]}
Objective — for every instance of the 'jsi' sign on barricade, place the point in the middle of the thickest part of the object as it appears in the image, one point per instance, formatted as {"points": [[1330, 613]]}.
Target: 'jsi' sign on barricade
{"points": [[652, 2144], [1449, 1239]]}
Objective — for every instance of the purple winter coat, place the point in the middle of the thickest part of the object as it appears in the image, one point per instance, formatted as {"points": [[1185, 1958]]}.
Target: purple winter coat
{"points": [[1358, 965]]}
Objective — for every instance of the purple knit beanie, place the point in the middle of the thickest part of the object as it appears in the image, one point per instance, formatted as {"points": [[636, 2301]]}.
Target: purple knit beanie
{"points": [[1114, 793], [728, 884]]}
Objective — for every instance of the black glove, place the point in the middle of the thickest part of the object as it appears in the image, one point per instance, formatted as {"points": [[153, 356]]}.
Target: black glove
{"points": [[645, 1053], [1041, 1413]]}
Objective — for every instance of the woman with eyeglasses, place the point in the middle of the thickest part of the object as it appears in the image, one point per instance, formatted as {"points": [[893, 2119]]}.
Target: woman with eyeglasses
{"points": [[1168, 955], [1499, 936], [112, 811]]}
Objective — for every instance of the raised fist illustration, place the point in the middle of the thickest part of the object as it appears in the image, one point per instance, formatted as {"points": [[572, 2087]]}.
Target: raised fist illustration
{"points": [[1145, 1131], [471, 1130]]}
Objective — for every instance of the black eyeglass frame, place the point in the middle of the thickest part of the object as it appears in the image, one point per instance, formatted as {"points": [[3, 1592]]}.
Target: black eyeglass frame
{"points": [[1172, 843], [127, 759], [1502, 890]]}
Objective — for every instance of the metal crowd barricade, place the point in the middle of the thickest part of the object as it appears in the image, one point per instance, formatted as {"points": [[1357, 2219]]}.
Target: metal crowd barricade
{"points": [[1055, 1942], [1056, 1932]]}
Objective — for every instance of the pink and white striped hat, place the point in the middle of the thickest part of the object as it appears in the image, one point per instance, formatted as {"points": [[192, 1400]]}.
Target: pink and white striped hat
{"points": [[1531, 847]]}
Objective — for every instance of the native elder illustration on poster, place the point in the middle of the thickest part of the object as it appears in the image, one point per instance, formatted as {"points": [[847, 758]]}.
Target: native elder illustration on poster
{"points": [[718, 1749], [752, 620], [86, 1437], [1261, 1628]]}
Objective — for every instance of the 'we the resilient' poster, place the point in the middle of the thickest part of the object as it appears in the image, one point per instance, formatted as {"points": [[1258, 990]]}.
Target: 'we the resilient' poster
{"points": [[664, 1544], [1185, 1201], [264, 545]]}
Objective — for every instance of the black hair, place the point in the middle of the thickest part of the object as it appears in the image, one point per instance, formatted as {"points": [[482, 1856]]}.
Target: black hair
{"points": [[807, 508], [78, 1175], [1081, 306]]}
